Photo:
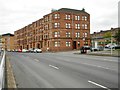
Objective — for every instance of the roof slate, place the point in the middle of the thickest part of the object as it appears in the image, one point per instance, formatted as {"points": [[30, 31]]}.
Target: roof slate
{"points": [[72, 10]]}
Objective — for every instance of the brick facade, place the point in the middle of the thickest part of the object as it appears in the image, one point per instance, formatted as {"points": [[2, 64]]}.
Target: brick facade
{"points": [[63, 29]]}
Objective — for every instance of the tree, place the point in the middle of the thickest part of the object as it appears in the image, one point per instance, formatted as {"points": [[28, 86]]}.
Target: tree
{"points": [[117, 36], [107, 37]]}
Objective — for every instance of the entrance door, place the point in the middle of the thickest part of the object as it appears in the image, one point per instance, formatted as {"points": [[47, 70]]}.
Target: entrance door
{"points": [[74, 44], [27, 47], [41, 46], [38, 46]]}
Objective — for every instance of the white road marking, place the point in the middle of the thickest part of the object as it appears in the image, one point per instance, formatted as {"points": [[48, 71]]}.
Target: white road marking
{"points": [[100, 59], [53, 66], [98, 85], [110, 60], [96, 66], [36, 60]]}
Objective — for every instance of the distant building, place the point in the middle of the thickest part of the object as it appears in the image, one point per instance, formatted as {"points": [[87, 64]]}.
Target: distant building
{"points": [[7, 42], [98, 38], [63, 29]]}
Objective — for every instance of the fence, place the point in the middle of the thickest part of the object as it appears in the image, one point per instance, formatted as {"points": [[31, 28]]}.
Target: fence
{"points": [[2, 71]]}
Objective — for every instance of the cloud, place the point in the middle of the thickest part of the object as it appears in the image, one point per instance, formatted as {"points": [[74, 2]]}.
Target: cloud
{"points": [[15, 14], [119, 14]]}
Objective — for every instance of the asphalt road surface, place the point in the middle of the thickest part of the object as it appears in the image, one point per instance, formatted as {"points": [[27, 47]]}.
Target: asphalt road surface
{"points": [[64, 70]]}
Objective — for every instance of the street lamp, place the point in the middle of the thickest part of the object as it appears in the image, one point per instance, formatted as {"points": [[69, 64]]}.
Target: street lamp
{"points": [[111, 41]]}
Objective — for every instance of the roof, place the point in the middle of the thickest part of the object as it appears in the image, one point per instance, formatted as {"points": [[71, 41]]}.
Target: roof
{"points": [[102, 31], [8, 34], [71, 10]]}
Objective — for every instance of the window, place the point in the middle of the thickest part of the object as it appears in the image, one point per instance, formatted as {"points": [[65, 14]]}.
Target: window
{"points": [[67, 44], [57, 43], [77, 34], [77, 26], [84, 26], [77, 17], [79, 43], [46, 19], [56, 34], [56, 16], [45, 43], [86, 34], [56, 25], [84, 18], [46, 36], [86, 43], [46, 27], [67, 17], [67, 25], [67, 34]]}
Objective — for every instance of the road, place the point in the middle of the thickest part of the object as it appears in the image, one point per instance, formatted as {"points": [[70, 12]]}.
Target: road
{"points": [[64, 70]]}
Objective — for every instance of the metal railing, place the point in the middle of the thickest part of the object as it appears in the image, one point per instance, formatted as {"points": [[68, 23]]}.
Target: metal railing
{"points": [[2, 71]]}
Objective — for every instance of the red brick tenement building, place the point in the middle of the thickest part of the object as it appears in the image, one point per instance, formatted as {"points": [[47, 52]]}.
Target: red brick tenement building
{"points": [[63, 29]]}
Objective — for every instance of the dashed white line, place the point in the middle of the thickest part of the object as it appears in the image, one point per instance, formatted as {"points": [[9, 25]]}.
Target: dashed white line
{"points": [[96, 66], [110, 60], [53, 66], [36, 60], [100, 59], [98, 85]]}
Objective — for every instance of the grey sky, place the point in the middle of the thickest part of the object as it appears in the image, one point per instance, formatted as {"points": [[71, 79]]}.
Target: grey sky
{"points": [[15, 14], [119, 14]]}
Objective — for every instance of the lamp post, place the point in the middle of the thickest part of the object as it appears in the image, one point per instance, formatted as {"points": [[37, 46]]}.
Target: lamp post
{"points": [[111, 42]]}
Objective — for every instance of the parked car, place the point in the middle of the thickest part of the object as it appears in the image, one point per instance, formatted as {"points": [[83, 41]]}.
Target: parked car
{"points": [[117, 47], [24, 50], [99, 48], [106, 48], [36, 50], [85, 49], [19, 50], [31, 50], [94, 49], [111, 45]]}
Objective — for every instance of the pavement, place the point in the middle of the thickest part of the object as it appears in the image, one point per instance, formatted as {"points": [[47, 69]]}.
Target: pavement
{"points": [[106, 53], [9, 76], [64, 70], [114, 53]]}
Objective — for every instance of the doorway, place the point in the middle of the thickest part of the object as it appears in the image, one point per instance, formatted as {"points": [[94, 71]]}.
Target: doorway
{"points": [[74, 44], [38, 46]]}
